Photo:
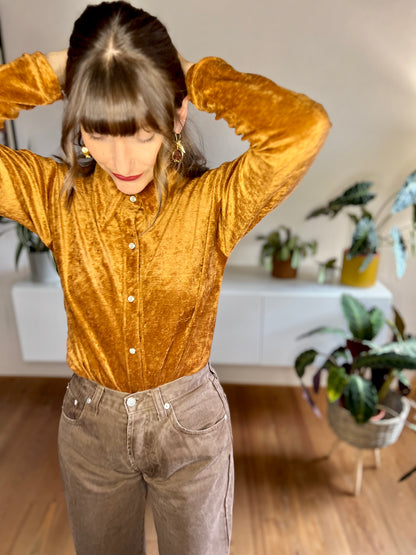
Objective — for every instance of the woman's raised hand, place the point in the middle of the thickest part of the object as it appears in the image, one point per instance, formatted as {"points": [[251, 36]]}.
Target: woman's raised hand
{"points": [[57, 61], [185, 64]]}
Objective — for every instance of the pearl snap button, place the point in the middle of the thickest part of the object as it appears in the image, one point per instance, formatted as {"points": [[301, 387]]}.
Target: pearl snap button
{"points": [[167, 406], [133, 198], [131, 401], [132, 351], [131, 299], [89, 401], [75, 402], [132, 246]]}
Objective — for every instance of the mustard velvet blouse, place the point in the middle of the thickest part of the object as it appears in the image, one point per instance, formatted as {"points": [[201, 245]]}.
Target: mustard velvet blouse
{"points": [[141, 299]]}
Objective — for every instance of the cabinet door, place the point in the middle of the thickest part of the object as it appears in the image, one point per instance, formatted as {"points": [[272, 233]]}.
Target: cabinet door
{"points": [[237, 337], [41, 321], [287, 318]]}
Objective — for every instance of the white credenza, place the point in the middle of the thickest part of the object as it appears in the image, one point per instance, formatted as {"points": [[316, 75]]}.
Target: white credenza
{"points": [[259, 317]]}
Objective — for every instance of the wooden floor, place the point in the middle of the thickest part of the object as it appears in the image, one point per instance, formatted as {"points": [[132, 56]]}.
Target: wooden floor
{"points": [[289, 498]]}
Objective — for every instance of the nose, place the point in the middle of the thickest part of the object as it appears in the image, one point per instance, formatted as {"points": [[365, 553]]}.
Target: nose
{"points": [[124, 160]]}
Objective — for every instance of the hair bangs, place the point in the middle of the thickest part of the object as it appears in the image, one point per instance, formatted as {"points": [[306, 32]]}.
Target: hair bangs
{"points": [[117, 102]]}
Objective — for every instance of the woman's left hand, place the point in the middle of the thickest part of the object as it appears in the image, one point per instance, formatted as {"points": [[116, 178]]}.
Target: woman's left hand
{"points": [[185, 64]]}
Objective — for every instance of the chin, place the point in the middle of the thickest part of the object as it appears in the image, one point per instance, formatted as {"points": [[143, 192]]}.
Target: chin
{"points": [[131, 188]]}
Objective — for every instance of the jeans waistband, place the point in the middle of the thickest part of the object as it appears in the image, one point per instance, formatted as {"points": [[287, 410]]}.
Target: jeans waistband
{"points": [[94, 394]]}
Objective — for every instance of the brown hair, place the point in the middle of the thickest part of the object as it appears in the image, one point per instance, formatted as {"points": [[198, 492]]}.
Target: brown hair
{"points": [[123, 74]]}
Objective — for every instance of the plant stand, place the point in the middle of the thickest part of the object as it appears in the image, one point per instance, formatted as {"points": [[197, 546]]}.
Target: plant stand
{"points": [[372, 435], [359, 464]]}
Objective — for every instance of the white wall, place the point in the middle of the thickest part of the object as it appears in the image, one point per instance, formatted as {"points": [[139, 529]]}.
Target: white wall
{"points": [[357, 58]]}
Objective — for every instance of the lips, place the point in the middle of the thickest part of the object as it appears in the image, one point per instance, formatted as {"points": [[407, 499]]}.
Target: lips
{"points": [[127, 178]]}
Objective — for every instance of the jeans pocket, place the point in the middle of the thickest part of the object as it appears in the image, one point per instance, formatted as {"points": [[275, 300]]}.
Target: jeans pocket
{"points": [[200, 411], [74, 403]]}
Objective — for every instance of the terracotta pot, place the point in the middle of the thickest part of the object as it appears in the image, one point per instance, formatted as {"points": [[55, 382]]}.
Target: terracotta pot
{"points": [[351, 275], [282, 269]]}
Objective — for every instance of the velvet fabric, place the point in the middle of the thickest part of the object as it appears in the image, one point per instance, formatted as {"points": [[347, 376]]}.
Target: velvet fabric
{"points": [[141, 299]]}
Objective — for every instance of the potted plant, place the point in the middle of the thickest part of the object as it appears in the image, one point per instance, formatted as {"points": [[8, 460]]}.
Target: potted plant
{"points": [[364, 408], [285, 250], [326, 271], [360, 261], [41, 261]]}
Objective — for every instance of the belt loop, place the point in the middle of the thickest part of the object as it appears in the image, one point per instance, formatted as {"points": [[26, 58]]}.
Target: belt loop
{"points": [[96, 397], [159, 403]]}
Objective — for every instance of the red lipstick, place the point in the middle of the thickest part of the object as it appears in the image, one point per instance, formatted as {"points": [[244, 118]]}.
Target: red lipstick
{"points": [[129, 178]]}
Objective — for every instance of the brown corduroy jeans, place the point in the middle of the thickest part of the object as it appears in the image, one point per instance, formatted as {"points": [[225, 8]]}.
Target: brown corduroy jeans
{"points": [[173, 443]]}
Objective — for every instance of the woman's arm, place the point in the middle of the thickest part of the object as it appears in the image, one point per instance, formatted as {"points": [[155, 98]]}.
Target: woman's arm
{"points": [[27, 82], [28, 182], [285, 130]]}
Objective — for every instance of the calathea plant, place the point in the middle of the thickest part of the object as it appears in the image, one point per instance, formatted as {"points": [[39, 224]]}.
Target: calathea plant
{"points": [[360, 372]]}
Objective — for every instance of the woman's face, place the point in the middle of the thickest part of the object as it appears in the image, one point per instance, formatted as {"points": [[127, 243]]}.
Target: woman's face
{"points": [[128, 160]]}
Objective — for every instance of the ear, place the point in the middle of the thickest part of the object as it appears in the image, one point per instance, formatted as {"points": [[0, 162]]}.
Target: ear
{"points": [[180, 119]]}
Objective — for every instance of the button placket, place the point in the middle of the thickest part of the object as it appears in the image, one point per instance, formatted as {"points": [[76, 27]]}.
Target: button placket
{"points": [[132, 284]]}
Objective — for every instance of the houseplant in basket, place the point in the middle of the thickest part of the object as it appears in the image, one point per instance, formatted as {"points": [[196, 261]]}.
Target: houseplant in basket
{"points": [[364, 408], [360, 260], [284, 250]]}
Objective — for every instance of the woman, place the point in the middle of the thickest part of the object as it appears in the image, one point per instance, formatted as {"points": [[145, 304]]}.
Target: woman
{"points": [[141, 232]]}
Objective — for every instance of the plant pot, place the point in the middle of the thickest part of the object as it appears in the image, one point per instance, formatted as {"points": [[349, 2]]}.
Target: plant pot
{"points": [[283, 269], [371, 434], [42, 267], [351, 275]]}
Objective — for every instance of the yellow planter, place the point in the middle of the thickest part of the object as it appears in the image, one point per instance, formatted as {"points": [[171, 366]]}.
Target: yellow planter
{"points": [[351, 275]]}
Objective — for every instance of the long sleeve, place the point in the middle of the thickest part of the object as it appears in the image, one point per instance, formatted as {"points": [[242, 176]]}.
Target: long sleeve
{"points": [[27, 180], [285, 130]]}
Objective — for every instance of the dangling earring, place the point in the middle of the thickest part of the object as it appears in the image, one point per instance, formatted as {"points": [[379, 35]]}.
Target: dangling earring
{"points": [[85, 152], [177, 154]]}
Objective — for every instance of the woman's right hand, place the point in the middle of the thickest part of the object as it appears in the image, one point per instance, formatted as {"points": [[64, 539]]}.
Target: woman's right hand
{"points": [[57, 60], [185, 64]]}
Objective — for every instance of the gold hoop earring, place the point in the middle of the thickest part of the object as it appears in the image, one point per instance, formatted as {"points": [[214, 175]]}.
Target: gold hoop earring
{"points": [[85, 152], [177, 154]]}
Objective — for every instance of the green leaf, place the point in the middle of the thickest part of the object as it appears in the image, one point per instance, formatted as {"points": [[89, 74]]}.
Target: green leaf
{"points": [[365, 238], [377, 319], [401, 376], [295, 259], [404, 347], [357, 195], [407, 194], [303, 360], [337, 380], [399, 249], [17, 255], [385, 360], [358, 318], [366, 262], [360, 398], [284, 253], [323, 329]]}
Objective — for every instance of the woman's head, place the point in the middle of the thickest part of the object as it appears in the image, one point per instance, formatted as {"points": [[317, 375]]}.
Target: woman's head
{"points": [[124, 81]]}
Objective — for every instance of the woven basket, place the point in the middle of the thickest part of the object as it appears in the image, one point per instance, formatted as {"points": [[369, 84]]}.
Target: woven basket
{"points": [[370, 435]]}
